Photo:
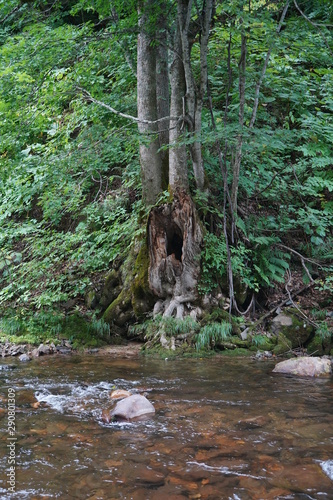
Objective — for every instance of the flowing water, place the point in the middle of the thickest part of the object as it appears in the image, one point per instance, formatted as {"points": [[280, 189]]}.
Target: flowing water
{"points": [[224, 429]]}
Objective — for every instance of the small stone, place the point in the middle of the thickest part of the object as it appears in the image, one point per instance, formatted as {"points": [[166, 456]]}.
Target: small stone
{"points": [[24, 357], [120, 394]]}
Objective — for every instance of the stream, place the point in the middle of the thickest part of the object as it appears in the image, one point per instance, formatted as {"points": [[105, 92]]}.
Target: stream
{"points": [[223, 429]]}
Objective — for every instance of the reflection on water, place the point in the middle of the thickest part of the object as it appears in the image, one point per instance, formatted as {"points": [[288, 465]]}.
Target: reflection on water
{"points": [[223, 429]]}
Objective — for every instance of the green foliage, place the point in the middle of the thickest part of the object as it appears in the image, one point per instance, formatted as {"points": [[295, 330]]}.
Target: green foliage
{"points": [[152, 328], [258, 265], [69, 172], [213, 334], [62, 216], [324, 331]]}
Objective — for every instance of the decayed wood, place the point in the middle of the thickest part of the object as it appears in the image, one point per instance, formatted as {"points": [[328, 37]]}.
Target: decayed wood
{"points": [[174, 242]]}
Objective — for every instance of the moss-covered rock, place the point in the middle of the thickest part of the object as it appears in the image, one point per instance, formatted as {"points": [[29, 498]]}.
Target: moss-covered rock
{"points": [[91, 299], [217, 316], [263, 343], [142, 299], [283, 345], [320, 346], [293, 327], [133, 299], [120, 311], [111, 288]]}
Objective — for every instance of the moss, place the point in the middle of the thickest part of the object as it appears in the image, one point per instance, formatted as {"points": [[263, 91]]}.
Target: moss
{"points": [[239, 351], [91, 299], [283, 345], [141, 296], [218, 316], [180, 352], [316, 346], [298, 332], [119, 311], [319, 346], [263, 343], [111, 288]]}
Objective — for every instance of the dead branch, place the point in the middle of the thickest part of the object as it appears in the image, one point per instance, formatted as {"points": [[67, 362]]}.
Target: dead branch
{"points": [[88, 97]]}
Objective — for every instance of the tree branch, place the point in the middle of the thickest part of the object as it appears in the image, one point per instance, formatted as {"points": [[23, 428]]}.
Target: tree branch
{"points": [[4, 19], [88, 97]]}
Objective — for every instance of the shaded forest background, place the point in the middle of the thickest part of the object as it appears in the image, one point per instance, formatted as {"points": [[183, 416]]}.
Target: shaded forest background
{"points": [[71, 210]]}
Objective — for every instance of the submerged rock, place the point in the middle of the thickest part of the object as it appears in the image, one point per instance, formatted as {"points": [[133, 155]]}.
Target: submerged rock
{"points": [[305, 367], [24, 357], [134, 407]]}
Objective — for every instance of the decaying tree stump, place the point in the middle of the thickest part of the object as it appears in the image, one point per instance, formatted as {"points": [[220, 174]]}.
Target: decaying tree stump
{"points": [[174, 243]]}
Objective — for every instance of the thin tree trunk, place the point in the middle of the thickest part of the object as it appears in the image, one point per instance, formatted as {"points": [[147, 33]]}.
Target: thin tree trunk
{"points": [[178, 175], [238, 156], [162, 93], [150, 159], [195, 93], [196, 152]]}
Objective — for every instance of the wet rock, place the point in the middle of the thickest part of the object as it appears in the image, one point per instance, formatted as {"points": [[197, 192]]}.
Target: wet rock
{"points": [[149, 476], [134, 407], [44, 350], [263, 355], [120, 394], [63, 350], [305, 367], [106, 416], [16, 350], [24, 357], [253, 423], [327, 467]]}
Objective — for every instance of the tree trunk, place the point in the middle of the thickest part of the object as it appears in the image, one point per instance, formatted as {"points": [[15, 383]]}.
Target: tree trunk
{"points": [[174, 243], [150, 159], [238, 156], [178, 174], [162, 93]]}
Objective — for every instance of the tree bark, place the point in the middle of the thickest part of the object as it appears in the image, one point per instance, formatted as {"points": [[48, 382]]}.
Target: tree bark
{"points": [[162, 93], [178, 173], [150, 159], [195, 92], [174, 243]]}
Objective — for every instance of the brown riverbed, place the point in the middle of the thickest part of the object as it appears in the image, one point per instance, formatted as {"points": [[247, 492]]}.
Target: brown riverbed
{"points": [[223, 429]]}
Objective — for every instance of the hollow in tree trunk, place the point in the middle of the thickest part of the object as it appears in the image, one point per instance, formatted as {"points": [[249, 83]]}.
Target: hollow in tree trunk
{"points": [[174, 243]]}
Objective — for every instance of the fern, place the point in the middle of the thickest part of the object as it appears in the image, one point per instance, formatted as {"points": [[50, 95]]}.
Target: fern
{"points": [[212, 334]]}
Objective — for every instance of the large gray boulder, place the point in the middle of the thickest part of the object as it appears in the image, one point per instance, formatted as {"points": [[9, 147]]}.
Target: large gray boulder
{"points": [[134, 407], [305, 367]]}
